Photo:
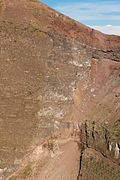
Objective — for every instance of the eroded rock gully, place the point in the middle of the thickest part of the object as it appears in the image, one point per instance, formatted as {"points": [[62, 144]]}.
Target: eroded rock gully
{"points": [[54, 70], [79, 146]]}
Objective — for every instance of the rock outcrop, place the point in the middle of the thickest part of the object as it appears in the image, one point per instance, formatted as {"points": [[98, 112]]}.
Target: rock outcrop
{"points": [[54, 71]]}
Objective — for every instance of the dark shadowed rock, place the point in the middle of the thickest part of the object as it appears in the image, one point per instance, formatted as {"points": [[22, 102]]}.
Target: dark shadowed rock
{"points": [[52, 70]]}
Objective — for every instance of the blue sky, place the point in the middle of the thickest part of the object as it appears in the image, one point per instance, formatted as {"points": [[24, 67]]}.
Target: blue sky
{"points": [[103, 15]]}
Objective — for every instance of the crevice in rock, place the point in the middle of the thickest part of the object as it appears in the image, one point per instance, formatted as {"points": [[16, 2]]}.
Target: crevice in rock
{"points": [[80, 161], [86, 133], [89, 140], [106, 136], [93, 131]]}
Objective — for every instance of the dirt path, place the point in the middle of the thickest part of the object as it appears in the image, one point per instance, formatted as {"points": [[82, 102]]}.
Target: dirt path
{"points": [[63, 166]]}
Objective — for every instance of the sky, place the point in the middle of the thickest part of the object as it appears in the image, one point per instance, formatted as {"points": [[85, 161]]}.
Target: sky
{"points": [[103, 15]]}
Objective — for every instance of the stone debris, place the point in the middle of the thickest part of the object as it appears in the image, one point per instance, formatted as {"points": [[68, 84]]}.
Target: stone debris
{"points": [[50, 111]]}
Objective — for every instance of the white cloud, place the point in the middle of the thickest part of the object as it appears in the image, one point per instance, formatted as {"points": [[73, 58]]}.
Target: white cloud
{"points": [[108, 29], [108, 10], [94, 12]]}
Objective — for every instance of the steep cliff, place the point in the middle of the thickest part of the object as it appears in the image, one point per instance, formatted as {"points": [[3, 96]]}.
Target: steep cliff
{"points": [[53, 71]]}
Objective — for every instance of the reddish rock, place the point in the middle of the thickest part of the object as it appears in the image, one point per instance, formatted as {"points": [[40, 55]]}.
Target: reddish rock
{"points": [[53, 69]]}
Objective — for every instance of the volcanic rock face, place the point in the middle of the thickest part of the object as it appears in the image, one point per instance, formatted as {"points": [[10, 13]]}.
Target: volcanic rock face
{"points": [[54, 71]]}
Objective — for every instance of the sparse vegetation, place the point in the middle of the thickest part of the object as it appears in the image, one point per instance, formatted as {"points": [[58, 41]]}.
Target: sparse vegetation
{"points": [[26, 172], [99, 169], [116, 131]]}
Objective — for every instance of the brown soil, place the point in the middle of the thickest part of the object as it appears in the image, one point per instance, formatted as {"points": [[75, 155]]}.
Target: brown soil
{"points": [[54, 73]]}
